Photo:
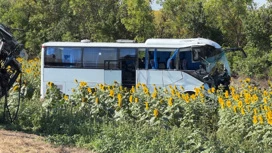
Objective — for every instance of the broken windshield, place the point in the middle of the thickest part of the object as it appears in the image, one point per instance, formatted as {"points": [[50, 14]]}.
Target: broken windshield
{"points": [[210, 57], [211, 62]]}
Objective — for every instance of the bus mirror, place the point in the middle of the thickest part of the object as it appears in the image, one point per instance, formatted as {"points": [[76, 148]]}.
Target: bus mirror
{"points": [[236, 49]]}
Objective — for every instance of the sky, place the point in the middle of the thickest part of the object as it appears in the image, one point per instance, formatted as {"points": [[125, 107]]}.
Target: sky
{"points": [[260, 2], [157, 6]]}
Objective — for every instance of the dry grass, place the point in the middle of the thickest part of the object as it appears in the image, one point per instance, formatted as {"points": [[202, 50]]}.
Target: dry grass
{"points": [[18, 142], [262, 83]]}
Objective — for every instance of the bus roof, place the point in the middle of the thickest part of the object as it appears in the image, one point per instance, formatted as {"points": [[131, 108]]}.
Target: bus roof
{"points": [[182, 42], [150, 43]]}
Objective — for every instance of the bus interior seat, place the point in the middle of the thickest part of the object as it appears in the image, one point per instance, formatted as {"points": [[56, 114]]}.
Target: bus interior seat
{"points": [[190, 64], [162, 59], [162, 65], [89, 65], [50, 58]]}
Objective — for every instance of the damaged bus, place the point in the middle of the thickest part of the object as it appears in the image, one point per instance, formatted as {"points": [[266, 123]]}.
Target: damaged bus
{"points": [[189, 63]]}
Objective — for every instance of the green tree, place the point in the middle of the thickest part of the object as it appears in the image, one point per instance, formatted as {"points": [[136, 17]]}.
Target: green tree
{"points": [[258, 30], [17, 17], [186, 19], [159, 20], [40, 21], [228, 16], [4, 5], [98, 20], [198, 25], [137, 17], [173, 16]]}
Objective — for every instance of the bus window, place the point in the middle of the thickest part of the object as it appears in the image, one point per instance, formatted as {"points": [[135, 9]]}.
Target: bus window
{"points": [[127, 52], [95, 57], [155, 58], [159, 59], [63, 57], [162, 59], [187, 61], [141, 58], [128, 57], [172, 61]]}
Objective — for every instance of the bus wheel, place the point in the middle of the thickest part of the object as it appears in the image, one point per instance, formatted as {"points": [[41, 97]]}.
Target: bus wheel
{"points": [[189, 92]]}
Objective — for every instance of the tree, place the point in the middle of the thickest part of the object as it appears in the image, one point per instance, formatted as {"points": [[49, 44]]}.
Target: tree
{"points": [[185, 19], [173, 13], [258, 28], [137, 17], [228, 17], [17, 17], [197, 23]]}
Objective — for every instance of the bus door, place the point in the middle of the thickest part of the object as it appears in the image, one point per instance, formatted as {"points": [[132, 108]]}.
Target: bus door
{"points": [[112, 72], [106, 60], [128, 66]]}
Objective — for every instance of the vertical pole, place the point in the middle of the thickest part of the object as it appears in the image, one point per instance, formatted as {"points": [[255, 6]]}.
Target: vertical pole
{"points": [[177, 60], [146, 58], [155, 58]]}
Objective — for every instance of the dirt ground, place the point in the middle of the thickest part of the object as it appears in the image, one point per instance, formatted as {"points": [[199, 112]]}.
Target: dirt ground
{"points": [[262, 83], [18, 142]]}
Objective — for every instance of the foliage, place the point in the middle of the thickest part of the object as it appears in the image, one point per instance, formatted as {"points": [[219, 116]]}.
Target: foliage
{"points": [[258, 28], [137, 18], [230, 23], [111, 118], [245, 118], [185, 19], [228, 16], [117, 123]]}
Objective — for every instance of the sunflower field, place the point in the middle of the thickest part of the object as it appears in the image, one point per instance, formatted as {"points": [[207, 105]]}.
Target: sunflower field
{"points": [[111, 118]]}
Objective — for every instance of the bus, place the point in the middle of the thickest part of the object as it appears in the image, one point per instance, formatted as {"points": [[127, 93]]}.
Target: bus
{"points": [[190, 63]]}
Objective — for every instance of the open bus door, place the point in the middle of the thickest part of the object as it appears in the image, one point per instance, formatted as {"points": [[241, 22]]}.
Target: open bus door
{"points": [[128, 67], [122, 70]]}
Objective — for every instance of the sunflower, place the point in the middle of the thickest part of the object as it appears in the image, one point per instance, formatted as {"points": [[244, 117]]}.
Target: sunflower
{"points": [[131, 98], [156, 113], [119, 100], [255, 120], [170, 101], [146, 105], [66, 97]]}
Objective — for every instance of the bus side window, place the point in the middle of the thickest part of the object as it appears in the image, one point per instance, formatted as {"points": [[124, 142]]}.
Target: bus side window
{"points": [[141, 63], [152, 64], [141, 58], [183, 61], [171, 64], [161, 59], [71, 57], [95, 58], [190, 64], [51, 58]]}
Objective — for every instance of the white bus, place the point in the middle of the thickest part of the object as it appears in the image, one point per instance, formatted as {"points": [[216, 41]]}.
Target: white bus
{"points": [[182, 62]]}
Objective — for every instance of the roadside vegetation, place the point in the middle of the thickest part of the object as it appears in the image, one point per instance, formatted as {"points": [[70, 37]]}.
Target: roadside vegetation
{"points": [[230, 23], [110, 118]]}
